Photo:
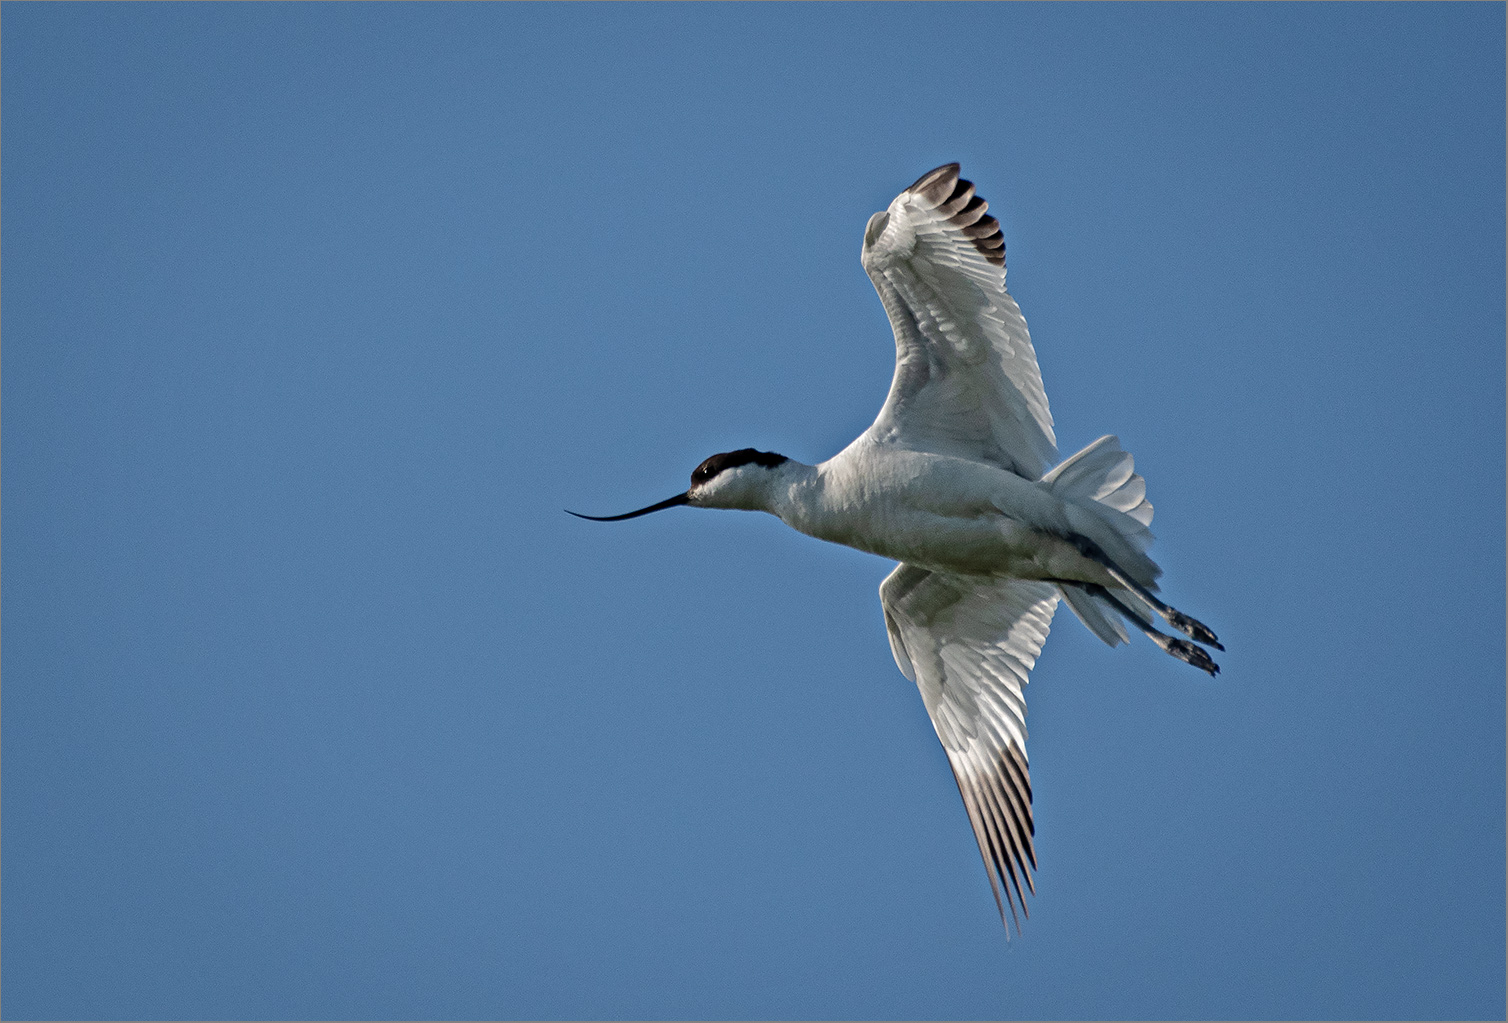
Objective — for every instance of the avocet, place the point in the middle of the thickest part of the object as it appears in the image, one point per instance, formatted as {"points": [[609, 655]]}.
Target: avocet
{"points": [[958, 479]]}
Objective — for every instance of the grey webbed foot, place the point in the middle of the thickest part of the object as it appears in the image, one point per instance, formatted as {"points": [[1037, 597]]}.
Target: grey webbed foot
{"points": [[1193, 628], [1186, 651]]}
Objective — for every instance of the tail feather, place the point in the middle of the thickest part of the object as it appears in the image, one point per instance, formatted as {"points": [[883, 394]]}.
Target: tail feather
{"points": [[1103, 473], [1105, 503], [1106, 500]]}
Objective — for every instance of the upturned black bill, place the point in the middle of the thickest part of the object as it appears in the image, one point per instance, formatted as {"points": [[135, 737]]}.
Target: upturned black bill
{"points": [[677, 499]]}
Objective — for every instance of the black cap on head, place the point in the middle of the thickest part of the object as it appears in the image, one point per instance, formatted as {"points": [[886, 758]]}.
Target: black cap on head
{"points": [[732, 460]]}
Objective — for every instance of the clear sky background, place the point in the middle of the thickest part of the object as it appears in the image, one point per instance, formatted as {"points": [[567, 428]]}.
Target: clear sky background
{"points": [[316, 704]]}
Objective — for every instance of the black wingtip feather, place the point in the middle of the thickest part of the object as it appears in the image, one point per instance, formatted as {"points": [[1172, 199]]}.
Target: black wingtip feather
{"points": [[937, 185], [943, 189]]}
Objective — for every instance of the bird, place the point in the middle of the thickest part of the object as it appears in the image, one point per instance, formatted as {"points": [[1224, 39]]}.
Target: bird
{"points": [[958, 480]]}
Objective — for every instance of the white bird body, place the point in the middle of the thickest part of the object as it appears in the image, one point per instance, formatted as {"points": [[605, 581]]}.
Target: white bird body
{"points": [[953, 480], [937, 512]]}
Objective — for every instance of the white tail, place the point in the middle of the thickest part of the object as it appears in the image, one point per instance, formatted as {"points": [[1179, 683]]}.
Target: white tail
{"points": [[1107, 502]]}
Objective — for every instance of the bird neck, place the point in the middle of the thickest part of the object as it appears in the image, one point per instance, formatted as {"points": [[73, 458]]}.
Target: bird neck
{"points": [[794, 493]]}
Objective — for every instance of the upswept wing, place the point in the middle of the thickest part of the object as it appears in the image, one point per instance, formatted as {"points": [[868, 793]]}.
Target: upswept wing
{"points": [[966, 378], [969, 644]]}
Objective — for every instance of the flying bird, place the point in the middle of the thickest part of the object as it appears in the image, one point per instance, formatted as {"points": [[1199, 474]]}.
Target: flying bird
{"points": [[958, 479]]}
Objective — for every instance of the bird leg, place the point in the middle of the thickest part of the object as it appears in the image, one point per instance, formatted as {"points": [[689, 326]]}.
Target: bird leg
{"points": [[1186, 624], [1179, 648]]}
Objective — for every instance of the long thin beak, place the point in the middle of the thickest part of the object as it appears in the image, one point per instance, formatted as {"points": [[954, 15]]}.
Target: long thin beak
{"points": [[671, 503]]}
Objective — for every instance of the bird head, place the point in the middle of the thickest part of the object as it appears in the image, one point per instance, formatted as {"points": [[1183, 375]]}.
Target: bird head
{"points": [[735, 479]]}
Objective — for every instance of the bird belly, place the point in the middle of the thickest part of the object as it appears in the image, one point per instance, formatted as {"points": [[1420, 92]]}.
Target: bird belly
{"points": [[989, 543]]}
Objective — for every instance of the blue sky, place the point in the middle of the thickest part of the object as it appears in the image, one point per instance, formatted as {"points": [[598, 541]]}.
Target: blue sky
{"points": [[317, 705]]}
